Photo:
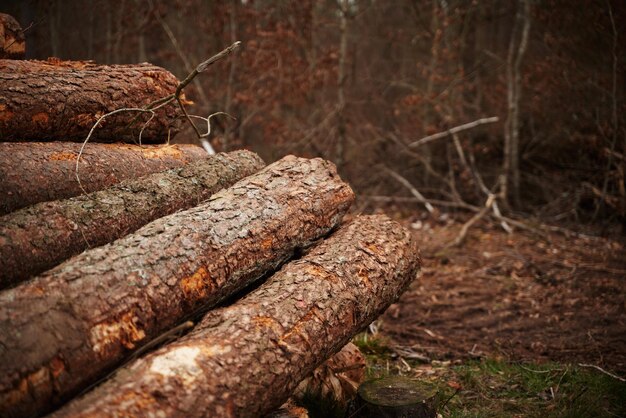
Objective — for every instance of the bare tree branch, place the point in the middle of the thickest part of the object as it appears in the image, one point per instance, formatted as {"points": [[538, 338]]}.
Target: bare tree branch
{"points": [[412, 189], [452, 131]]}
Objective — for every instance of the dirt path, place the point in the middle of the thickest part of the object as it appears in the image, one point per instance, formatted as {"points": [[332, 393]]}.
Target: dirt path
{"points": [[514, 296]]}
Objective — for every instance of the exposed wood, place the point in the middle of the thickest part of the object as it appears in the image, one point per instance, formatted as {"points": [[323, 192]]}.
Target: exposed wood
{"points": [[63, 330], [453, 131], [61, 100], [289, 410], [394, 397], [33, 172], [37, 238], [336, 381], [12, 41], [246, 359]]}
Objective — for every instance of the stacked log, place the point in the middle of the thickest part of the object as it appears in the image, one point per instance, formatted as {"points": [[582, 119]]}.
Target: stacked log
{"points": [[39, 237], [246, 359], [61, 100], [170, 256], [33, 172], [64, 329]]}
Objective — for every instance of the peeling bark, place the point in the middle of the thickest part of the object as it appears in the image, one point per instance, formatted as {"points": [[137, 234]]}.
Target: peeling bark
{"points": [[37, 238], [246, 359], [12, 41], [61, 331], [61, 100], [33, 172]]}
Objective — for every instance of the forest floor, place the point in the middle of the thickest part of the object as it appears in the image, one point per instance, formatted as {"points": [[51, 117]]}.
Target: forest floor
{"points": [[510, 312]]}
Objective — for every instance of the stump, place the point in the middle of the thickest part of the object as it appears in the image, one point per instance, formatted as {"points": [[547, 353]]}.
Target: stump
{"points": [[395, 397]]}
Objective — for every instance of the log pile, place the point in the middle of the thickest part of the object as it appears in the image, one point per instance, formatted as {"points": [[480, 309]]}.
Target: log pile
{"points": [[173, 283]]}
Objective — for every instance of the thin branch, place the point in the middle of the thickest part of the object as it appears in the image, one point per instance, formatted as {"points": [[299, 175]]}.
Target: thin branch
{"points": [[463, 233], [452, 131], [412, 189], [93, 128], [593, 366]]}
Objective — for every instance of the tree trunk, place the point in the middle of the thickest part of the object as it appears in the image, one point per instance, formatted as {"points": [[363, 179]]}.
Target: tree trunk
{"points": [[12, 42], [63, 330], [245, 360], [37, 238], [33, 172], [61, 100], [511, 178], [344, 11]]}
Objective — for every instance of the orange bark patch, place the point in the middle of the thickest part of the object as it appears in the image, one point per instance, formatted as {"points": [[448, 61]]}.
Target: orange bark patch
{"points": [[267, 243], [298, 331], [57, 366], [161, 152], [124, 332], [40, 117], [196, 285], [85, 119], [362, 275], [63, 156], [5, 113]]}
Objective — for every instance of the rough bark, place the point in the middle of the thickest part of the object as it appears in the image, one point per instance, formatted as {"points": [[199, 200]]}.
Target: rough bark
{"points": [[63, 330], [12, 42], [61, 100], [37, 238], [33, 172], [246, 359]]}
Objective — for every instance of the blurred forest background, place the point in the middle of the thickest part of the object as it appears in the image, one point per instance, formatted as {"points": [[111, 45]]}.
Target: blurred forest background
{"points": [[367, 83]]}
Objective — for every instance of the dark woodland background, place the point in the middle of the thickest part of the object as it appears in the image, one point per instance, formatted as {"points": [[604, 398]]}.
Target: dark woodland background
{"points": [[355, 81]]}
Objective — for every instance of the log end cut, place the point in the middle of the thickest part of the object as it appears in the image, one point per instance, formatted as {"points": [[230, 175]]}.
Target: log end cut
{"points": [[395, 397]]}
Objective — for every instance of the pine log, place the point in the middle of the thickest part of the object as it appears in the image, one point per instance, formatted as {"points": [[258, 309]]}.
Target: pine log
{"points": [[246, 359], [63, 330], [61, 100], [12, 41], [37, 238], [33, 172]]}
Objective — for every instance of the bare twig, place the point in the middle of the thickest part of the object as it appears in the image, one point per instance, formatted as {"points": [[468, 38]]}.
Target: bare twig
{"points": [[452, 131], [203, 137], [93, 128], [157, 104], [463, 233], [593, 366], [412, 189]]}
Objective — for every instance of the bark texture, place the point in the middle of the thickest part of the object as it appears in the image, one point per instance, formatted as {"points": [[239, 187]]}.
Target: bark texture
{"points": [[37, 238], [63, 330], [61, 100], [12, 41], [246, 359], [33, 172]]}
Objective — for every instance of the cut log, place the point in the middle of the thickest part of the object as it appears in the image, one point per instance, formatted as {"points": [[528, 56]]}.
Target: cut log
{"points": [[395, 397], [245, 360], [12, 41], [61, 100], [37, 238], [63, 330], [33, 172]]}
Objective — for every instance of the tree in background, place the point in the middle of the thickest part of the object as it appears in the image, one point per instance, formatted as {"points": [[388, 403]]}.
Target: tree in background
{"points": [[359, 81]]}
